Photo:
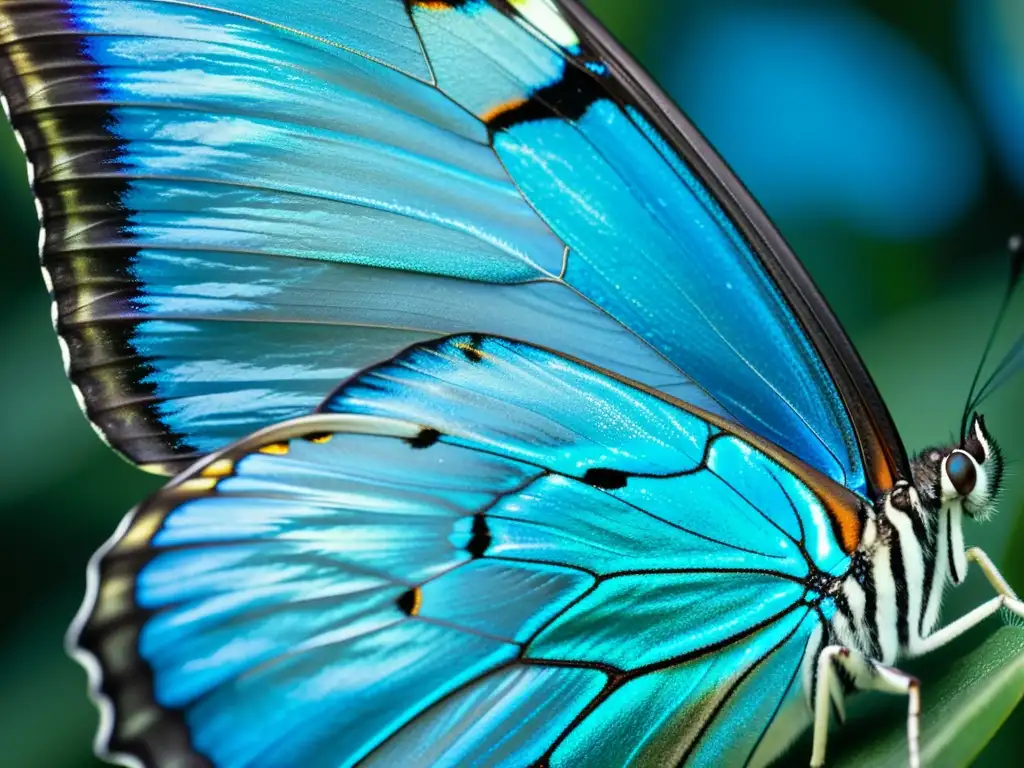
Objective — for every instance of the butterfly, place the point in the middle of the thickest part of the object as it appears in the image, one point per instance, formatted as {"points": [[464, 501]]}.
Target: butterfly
{"points": [[506, 428]]}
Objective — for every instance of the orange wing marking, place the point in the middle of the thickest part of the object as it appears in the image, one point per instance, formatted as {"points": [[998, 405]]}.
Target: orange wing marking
{"points": [[432, 5], [846, 519], [495, 112]]}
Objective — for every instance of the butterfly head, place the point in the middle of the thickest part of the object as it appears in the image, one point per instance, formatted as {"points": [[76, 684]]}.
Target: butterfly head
{"points": [[969, 474]]}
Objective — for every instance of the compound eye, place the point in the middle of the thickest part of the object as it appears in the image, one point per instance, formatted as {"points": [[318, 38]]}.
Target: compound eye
{"points": [[961, 472]]}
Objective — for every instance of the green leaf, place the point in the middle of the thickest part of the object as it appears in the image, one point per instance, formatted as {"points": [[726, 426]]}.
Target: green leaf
{"points": [[964, 702]]}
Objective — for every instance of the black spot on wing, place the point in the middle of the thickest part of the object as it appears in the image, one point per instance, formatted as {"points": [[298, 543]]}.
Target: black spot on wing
{"points": [[481, 537], [409, 601], [426, 438], [606, 479]]}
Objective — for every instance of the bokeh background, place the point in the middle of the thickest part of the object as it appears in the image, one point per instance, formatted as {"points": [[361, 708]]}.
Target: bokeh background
{"points": [[885, 138]]}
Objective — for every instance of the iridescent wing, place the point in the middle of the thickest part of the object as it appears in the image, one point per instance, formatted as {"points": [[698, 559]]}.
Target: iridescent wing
{"points": [[496, 555], [246, 201]]}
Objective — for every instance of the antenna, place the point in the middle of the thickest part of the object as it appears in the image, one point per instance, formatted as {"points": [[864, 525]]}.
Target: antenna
{"points": [[1016, 249]]}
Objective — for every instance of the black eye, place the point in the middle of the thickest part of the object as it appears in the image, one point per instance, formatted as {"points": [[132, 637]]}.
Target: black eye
{"points": [[961, 472]]}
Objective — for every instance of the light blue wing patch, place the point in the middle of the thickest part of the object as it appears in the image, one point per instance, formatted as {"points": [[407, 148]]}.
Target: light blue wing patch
{"points": [[469, 386], [418, 572], [620, 535], [514, 399], [682, 613], [665, 717], [484, 59], [467, 596], [650, 221], [378, 30], [381, 31], [506, 718], [340, 698]]}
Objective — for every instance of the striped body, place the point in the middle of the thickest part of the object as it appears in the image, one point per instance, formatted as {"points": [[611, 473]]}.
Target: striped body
{"points": [[891, 597], [912, 546], [887, 605]]}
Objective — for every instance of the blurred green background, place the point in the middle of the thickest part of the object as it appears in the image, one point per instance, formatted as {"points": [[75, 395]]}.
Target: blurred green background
{"points": [[886, 139]]}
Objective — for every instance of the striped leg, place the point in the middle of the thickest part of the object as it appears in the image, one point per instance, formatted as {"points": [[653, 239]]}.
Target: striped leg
{"points": [[995, 578], [1007, 598], [867, 675]]}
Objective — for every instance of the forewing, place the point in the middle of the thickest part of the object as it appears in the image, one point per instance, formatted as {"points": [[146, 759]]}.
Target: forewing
{"points": [[246, 201]]}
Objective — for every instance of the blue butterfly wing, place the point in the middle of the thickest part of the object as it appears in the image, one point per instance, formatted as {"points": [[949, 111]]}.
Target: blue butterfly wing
{"points": [[462, 566], [246, 202]]}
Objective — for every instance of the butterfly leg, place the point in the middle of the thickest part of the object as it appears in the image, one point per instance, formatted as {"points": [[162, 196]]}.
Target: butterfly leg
{"points": [[992, 574], [1006, 598], [866, 674]]}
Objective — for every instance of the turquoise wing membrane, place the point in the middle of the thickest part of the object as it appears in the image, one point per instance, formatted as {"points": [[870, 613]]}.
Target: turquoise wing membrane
{"points": [[490, 554], [246, 201]]}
